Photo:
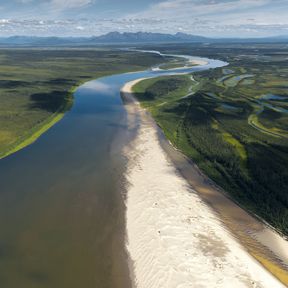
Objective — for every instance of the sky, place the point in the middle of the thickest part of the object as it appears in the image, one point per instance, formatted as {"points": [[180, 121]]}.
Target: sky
{"points": [[212, 18]]}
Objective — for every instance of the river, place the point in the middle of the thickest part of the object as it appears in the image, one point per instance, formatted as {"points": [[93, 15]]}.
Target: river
{"points": [[62, 220]]}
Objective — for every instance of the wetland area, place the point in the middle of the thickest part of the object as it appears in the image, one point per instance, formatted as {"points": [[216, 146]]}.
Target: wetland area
{"points": [[77, 224]]}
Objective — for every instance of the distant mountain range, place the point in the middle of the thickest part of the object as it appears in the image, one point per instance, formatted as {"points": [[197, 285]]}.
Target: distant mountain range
{"points": [[143, 37], [127, 38]]}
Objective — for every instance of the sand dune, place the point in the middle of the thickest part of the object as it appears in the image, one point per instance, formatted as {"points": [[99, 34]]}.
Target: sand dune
{"points": [[173, 238]]}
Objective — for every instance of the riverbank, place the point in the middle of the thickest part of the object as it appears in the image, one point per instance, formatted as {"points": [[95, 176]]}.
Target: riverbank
{"points": [[73, 207], [32, 135], [37, 81], [174, 238], [179, 65]]}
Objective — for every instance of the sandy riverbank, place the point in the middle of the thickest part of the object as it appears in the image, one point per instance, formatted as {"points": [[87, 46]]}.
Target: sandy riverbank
{"points": [[198, 62], [173, 237]]}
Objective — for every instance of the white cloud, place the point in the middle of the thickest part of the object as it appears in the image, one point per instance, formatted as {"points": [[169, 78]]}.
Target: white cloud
{"points": [[202, 17], [80, 28], [4, 21], [86, 27], [69, 4], [186, 8], [213, 17]]}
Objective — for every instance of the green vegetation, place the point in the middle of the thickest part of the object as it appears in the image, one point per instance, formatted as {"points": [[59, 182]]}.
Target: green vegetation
{"points": [[36, 86], [229, 126]]}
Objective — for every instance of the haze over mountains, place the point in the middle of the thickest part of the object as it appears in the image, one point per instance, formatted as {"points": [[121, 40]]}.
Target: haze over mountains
{"points": [[127, 38]]}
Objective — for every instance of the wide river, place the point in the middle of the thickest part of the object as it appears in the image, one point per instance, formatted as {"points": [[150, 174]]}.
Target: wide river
{"points": [[62, 212]]}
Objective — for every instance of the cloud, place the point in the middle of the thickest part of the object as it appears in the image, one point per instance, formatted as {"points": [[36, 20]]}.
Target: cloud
{"points": [[217, 17], [25, 1], [68, 4], [88, 27], [190, 8], [203, 17]]}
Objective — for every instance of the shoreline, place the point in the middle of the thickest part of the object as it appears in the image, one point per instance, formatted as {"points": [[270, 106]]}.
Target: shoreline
{"points": [[198, 62], [202, 193], [38, 130], [191, 62]]}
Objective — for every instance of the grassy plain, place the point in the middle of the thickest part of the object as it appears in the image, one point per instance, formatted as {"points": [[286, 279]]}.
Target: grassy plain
{"points": [[36, 86], [234, 124]]}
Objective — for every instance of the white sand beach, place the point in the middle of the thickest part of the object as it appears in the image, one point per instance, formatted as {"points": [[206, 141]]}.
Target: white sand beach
{"points": [[174, 239]]}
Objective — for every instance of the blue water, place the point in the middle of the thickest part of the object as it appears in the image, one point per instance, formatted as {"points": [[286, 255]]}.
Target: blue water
{"points": [[241, 77], [229, 107], [273, 97]]}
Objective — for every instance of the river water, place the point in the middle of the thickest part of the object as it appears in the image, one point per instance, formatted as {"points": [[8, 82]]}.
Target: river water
{"points": [[62, 220]]}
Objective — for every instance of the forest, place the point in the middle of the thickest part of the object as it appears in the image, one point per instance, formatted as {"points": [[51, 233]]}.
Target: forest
{"points": [[233, 123]]}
